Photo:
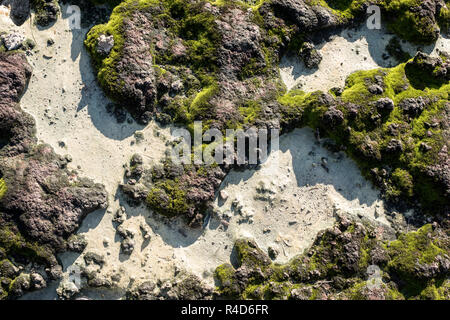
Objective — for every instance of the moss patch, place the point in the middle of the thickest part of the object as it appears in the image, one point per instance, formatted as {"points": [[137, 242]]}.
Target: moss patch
{"points": [[368, 133], [45, 11], [408, 23], [3, 188], [168, 198], [332, 258], [12, 243], [409, 252], [107, 73], [367, 136]]}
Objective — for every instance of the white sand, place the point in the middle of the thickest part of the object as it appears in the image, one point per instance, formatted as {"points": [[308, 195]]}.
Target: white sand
{"points": [[303, 198], [303, 201], [347, 52]]}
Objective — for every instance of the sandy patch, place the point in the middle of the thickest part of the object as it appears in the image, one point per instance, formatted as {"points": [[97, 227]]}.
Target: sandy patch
{"points": [[70, 112], [289, 199], [345, 53], [300, 199]]}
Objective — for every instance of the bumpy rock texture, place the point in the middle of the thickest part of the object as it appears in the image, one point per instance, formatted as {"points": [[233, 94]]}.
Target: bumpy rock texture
{"points": [[193, 61], [183, 286], [195, 44], [186, 61], [20, 10], [46, 11], [310, 56], [393, 122], [12, 41], [42, 203], [352, 260]]}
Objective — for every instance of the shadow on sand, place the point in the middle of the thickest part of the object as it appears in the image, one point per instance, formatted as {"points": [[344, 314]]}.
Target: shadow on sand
{"points": [[376, 41]]}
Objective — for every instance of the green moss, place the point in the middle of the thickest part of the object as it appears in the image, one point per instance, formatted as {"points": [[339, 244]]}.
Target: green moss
{"points": [[3, 188], [18, 283], [253, 4], [364, 258], [202, 39], [107, 73], [444, 18], [250, 111], [367, 135], [408, 252], [200, 107], [406, 22], [320, 261], [202, 171], [224, 273], [401, 16], [346, 9], [394, 294], [41, 10], [403, 180], [325, 260], [200, 36], [302, 109], [422, 79], [412, 248], [179, 110], [436, 290], [357, 292], [12, 243], [356, 89], [249, 254], [271, 291], [168, 198], [361, 290], [227, 283]]}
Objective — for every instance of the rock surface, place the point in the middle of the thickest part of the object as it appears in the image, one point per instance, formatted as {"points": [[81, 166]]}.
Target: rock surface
{"points": [[13, 41], [183, 286], [310, 56], [44, 203], [105, 44], [182, 61], [231, 80], [345, 262], [20, 10]]}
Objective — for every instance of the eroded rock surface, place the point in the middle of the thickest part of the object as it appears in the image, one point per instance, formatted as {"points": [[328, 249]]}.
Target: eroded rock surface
{"points": [[353, 260], [218, 64], [43, 202], [183, 286], [186, 61]]}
